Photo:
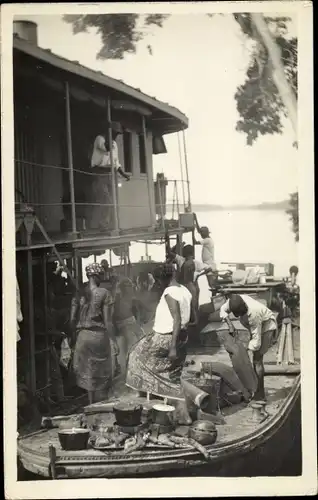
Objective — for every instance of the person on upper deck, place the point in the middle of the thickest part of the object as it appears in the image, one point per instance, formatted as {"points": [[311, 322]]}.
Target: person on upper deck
{"points": [[155, 363], [261, 323], [208, 258], [101, 163]]}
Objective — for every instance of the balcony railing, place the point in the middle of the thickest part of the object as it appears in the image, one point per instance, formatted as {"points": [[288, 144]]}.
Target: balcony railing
{"points": [[47, 192]]}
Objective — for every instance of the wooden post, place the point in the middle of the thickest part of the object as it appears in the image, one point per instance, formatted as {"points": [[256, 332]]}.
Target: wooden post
{"points": [[45, 303], [181, 172], [281, 344], [110, 258], [114, 188], [125, 261], [149, 174], [161, 203], [70, 154], [31, 317], [177, 202], [290, 346], [187, 171], [179, 244], [76, 271]]}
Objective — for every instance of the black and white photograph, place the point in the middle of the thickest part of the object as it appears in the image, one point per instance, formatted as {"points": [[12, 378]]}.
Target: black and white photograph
{"points": [[158, 249]]}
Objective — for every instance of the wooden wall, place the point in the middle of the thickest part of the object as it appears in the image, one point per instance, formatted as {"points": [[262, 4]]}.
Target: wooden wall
{"points": [[38, 130], [40, 139], [133, 196]]}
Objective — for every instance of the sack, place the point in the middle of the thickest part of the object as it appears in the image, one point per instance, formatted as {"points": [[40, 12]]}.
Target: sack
{"points": [[66, 353]]}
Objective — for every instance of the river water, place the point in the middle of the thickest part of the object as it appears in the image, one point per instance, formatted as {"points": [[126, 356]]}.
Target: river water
{"points": [[239, 235]]}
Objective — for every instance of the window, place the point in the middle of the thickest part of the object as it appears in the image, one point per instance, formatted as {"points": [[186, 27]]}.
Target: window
{"points": [[127, 151], [142, 155]]}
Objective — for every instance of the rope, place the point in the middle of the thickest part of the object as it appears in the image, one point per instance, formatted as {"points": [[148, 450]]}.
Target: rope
{"points": [[80, 204], [84, 172]]}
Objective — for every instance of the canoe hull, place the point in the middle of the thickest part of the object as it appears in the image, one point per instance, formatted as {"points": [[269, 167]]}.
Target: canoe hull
{"points": [[260, 454]]}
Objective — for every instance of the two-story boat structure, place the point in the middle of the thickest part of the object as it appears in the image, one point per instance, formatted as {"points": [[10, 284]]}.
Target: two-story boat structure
{"points": [[59, 108]]}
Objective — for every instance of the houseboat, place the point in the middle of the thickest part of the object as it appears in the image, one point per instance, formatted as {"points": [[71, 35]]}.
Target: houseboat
{"points": [[60, 107]]}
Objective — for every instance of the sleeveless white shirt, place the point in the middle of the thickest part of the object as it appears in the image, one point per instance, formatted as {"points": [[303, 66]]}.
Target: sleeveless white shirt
{"points": [[163, 319]]}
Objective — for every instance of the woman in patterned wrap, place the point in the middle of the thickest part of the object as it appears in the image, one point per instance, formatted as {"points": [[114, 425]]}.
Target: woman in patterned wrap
{"points": [[90, 322], [156, 361]]}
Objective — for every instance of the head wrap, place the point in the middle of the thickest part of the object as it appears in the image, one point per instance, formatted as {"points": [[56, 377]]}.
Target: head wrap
{"points": [[94, 269]]}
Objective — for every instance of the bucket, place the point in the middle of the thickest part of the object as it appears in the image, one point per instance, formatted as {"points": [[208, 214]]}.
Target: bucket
{"points": [[162, 415]]}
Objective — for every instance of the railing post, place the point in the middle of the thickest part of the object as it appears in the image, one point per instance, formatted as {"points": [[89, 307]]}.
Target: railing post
{"points": [[187, 171], [149, 174], [70, 154], [114, 188], [31, 317], [161, 203], [177, 202], [181, 172], [47, 345]]}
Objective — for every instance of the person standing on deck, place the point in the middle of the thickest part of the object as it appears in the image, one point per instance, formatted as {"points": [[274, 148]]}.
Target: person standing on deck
{"points": [[109, 281], [101, 216], [199, 270], [128, 332], [91, 332], [186, 277], [262, 325], [207, 251], [147, 298], [155, 363]]}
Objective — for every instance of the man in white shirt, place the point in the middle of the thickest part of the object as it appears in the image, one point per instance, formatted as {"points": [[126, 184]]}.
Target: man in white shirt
{"points": [[262, 325], [208, 258], [102, 184]]}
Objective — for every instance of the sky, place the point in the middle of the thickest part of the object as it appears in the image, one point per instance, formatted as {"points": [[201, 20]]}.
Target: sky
{"points": [[196, 66]]}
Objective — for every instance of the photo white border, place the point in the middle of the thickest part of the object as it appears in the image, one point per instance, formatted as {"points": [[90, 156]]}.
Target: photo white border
{"points": [[166, 487]]}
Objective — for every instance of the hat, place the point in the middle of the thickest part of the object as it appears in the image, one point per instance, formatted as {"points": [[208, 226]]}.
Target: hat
{"points": [[94, 269]]}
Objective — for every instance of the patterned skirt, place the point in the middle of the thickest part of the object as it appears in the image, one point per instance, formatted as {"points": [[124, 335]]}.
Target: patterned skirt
{"points": [[150, 370], [92, 361]]}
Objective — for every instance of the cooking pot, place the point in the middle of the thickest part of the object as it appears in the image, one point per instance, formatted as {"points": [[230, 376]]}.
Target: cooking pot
{"points": [[162, 414], [73, 439], [128, 414], [203, 431]]}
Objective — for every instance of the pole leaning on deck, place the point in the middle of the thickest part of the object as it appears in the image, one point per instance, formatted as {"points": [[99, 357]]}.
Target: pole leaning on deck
{"points": [[149, 174], [70, 154], [114, 188], [31, 317]]}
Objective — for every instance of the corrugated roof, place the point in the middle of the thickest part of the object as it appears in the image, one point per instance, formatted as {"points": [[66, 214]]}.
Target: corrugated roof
{"points": [[76, 68]]}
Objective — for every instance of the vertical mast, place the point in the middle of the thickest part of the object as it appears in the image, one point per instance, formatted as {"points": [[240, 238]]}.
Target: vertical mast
{"points": [[70, 154]]}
